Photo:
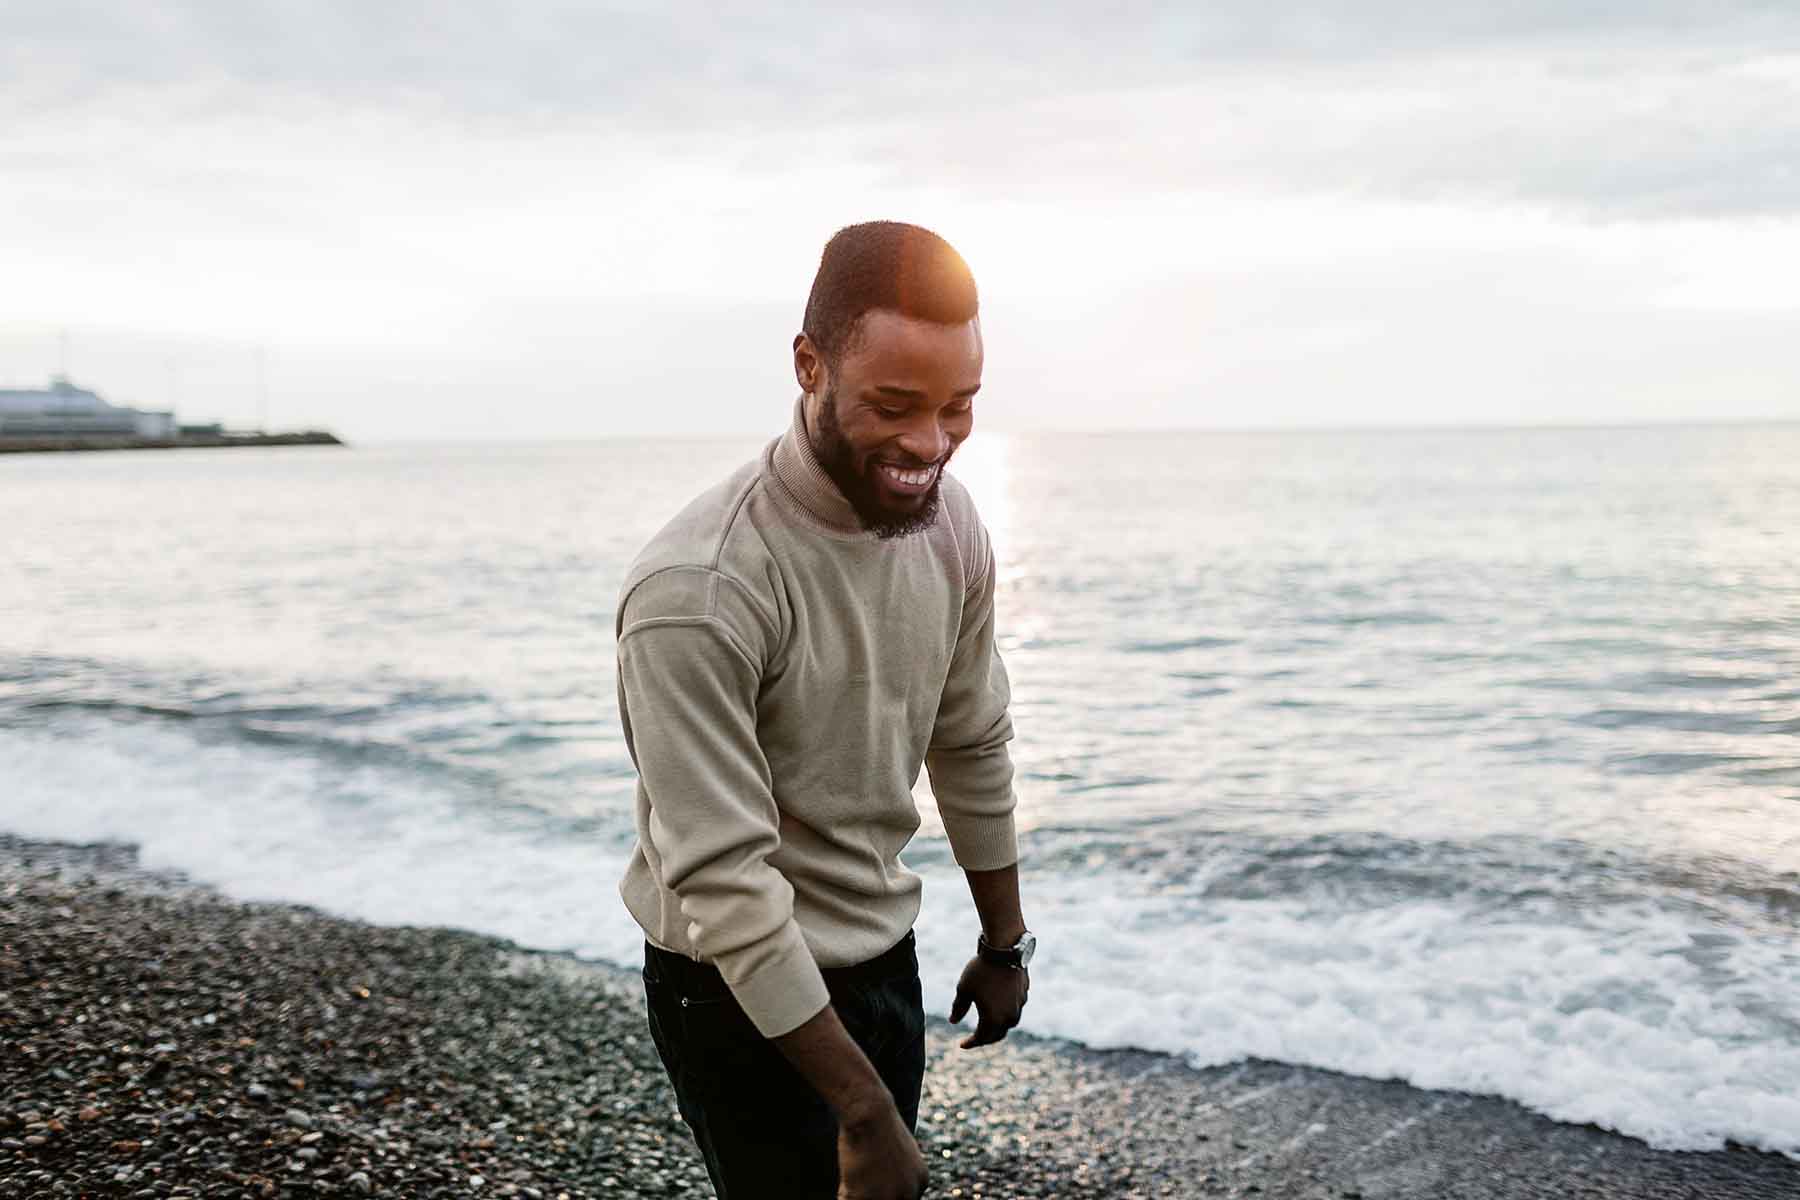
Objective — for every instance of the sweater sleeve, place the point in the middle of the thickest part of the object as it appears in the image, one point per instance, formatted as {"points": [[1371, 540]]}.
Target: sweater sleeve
{"points": [[970, 767], [688, 686]]}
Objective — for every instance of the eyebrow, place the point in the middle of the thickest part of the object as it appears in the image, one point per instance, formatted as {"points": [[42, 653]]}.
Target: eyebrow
{"points": [[900, 393]]}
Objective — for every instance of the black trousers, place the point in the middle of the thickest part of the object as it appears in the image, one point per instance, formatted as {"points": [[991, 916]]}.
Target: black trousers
{"points": [[762, 1129]]}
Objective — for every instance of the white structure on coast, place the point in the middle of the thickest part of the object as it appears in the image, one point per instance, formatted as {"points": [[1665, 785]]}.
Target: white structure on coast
{"points": [[63, 409]]}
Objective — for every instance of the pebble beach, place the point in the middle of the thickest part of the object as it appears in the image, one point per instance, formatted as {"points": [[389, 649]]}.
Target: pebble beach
{"points": [[164, 1040]]}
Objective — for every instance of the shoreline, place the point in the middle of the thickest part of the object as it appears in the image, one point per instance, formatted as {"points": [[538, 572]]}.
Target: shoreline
{"points": [[174, 1041]]}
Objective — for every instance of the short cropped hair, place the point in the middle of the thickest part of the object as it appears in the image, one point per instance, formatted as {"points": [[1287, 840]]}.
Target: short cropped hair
{"points": [[885, 265]]}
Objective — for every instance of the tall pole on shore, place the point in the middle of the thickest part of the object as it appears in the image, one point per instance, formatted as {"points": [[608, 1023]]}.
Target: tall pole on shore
{"points": [[262, 391], [62, 368]]}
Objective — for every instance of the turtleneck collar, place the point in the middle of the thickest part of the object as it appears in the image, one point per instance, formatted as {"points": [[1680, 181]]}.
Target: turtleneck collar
{"points": [[798, 470]]}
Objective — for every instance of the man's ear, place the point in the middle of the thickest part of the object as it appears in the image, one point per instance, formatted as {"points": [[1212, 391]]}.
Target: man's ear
{"points": [[809, 366]]}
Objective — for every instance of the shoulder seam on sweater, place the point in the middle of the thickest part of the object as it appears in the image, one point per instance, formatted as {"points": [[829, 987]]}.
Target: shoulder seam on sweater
{"points": [[718, 553], [731, 519], [715, 574]]}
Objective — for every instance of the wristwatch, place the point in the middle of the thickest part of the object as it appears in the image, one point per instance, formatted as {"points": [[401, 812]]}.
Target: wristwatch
{"points": [[1017, 955]]}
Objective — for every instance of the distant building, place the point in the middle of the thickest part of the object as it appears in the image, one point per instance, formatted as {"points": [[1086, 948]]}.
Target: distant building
{"points": [[62, 410]]}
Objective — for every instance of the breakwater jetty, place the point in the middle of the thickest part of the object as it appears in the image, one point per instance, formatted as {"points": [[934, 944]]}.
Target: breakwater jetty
{"points": [[179, 441]]}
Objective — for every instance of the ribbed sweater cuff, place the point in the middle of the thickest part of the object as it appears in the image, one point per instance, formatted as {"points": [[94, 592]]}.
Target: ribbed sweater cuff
{"points": [[787, 990], [981, 843]]}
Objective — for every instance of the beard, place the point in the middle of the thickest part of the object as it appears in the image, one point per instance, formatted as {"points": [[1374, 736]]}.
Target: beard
{"points": [[860, 488]]}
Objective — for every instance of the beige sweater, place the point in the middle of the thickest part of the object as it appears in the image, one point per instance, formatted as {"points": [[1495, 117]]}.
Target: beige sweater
{"points": [[783, 674]]}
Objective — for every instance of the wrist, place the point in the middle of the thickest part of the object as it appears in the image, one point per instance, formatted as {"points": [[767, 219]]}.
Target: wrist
{"points": [[865, 1109], [1004, 933]]}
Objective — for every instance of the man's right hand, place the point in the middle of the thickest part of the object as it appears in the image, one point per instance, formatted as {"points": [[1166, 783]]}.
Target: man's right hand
{"points": [[878, 1158]]}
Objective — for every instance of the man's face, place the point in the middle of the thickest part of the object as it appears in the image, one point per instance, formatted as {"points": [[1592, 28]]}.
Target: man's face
{"points": [[890, 414]]}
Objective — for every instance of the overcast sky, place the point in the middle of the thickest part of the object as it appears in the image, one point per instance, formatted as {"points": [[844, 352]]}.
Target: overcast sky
{"points": [[545, 219]]}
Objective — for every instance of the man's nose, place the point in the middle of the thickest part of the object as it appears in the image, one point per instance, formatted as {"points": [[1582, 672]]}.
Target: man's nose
{"points": [[925, 441]]}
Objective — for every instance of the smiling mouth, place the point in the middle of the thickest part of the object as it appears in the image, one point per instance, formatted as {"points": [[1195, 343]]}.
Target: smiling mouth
{"points": [[909, 481]]}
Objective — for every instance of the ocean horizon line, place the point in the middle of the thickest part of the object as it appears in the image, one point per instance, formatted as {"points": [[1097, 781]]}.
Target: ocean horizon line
{"points": [[722, 435]]}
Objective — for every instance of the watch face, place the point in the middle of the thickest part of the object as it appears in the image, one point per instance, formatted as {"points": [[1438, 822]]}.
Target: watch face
{"points": [[1027, 947]]}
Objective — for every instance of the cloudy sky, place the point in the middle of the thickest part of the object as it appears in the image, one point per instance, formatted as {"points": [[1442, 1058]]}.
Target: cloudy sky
{"points": [[530, 219]]}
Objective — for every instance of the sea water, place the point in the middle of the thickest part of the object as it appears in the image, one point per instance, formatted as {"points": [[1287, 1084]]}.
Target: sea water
{"points": [[1466, 758]]}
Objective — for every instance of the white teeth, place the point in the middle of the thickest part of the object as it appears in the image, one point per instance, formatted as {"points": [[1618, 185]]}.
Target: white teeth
{"points": [[911, 478]]}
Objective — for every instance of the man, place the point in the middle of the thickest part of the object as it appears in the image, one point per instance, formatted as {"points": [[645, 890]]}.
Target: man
{"points": [[792, 647]]}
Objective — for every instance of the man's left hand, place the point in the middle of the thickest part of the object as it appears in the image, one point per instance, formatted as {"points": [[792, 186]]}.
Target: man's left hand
{"points": [[998, 994]]}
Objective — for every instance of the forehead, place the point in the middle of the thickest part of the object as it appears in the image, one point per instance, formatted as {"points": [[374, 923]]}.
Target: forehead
{"points": [[886, 343]]}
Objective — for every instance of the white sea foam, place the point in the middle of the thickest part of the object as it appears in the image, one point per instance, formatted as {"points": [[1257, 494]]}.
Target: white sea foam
{"points": [[1610, 1021], [381, 844], [1615, 1017]]}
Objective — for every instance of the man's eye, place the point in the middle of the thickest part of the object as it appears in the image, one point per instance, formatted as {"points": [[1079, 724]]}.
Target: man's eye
{"points": [[892, 414]]}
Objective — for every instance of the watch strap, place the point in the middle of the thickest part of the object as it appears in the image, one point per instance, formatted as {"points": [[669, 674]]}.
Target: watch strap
{"points": [[999, 956]]}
